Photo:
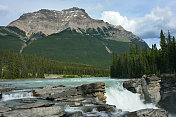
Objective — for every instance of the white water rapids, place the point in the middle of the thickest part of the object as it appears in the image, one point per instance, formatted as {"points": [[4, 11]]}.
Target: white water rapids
{"points": [[124, 99], [17, 94]]}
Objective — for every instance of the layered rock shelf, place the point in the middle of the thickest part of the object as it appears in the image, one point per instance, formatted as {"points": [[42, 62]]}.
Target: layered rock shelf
{"points": [[84, 94], [148, 113]]}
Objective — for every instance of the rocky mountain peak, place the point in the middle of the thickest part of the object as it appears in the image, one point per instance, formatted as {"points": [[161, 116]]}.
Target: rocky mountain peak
{"points": [[51, 21]]}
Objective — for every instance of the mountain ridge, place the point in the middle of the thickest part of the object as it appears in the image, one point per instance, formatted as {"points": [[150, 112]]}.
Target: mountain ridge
{"points": [[52, 21]]}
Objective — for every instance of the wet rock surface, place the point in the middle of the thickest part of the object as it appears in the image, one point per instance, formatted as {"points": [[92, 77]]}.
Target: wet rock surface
{"points": [[148, 86], [74, 114], [148, 113], [5, 88]]}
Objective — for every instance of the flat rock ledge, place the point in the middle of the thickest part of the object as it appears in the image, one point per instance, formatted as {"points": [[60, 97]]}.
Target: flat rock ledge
{"points": [[148, 87], [37, 109]]}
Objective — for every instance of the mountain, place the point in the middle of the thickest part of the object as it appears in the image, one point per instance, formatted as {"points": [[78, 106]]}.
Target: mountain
{"points": [[52, 21], [68, 35]]}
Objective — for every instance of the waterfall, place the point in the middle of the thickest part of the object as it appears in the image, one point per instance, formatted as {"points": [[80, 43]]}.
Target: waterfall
{"points": [[18, 94], [124, 99]]}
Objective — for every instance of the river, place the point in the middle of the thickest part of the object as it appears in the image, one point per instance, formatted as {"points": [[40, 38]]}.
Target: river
{"points": [[115, 93]]}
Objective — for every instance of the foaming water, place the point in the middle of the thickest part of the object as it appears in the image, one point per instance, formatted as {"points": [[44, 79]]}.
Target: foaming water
{"points": [[16, 95], [124, 99]]}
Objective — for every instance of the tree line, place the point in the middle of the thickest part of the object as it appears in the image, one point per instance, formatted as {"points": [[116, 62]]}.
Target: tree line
{"points": [[147, 60], [15, 65]]}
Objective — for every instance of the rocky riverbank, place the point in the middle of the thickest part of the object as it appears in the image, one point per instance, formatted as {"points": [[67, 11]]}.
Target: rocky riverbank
{"points": [[61, 101]]}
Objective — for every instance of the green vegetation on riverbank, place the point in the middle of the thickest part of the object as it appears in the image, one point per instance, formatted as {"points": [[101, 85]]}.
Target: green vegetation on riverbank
{"points": [[146, 61], [14, 65]]}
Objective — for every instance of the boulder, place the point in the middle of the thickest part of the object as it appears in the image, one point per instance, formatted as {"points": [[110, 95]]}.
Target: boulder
{"points": [[148, 113], [148, 86], [74, 114], [75, 104], [88, 93], [106, 107]]}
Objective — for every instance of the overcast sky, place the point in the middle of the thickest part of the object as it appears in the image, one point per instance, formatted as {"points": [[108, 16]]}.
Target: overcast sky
{"points": [[144, 18]]}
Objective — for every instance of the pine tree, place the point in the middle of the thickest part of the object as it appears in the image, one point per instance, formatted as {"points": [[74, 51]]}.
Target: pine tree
{"points": [[164, 62], [174, 54], [24, 69], [163, 41], [0, 68]]}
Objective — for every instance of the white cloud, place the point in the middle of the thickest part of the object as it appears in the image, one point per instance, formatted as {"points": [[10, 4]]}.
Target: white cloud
{"points": [[116, 19], [148, 26]]}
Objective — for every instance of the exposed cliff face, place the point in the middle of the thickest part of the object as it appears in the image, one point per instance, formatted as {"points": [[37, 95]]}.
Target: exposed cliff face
{"points": [[168, 95], [52, 21], [147, 86]]}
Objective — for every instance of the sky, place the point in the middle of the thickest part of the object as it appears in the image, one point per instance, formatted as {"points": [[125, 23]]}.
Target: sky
{"points": [[145, 18]]}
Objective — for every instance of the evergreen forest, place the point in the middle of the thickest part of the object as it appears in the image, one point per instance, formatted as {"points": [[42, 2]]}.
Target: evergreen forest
{"points": [[14, 65], [146, 61]]}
